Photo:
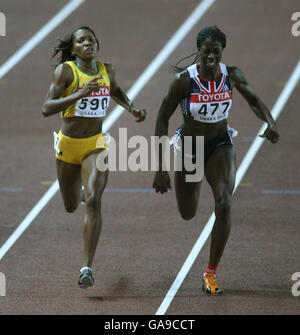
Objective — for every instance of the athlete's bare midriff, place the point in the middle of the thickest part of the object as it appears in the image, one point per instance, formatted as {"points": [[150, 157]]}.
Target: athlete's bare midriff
{"points": [[81, 127], [191, 127]]}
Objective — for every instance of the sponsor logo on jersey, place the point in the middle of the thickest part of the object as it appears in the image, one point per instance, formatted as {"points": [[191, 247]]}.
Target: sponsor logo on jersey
{"points": [[102, 92], [211, 97]]}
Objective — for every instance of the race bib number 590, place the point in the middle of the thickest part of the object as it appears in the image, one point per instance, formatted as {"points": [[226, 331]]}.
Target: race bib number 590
{"points": [[95, 105]]}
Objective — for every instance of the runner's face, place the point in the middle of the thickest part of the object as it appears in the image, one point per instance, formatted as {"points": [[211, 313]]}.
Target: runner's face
{"points": [[84, 44], [210, 53]]}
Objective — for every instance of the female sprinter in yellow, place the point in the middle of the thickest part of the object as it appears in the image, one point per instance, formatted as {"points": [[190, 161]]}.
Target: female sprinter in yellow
{"points": [[81, 91]]}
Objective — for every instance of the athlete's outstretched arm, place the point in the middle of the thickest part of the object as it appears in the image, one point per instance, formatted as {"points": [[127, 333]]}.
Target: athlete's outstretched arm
{"points": [[259, 108], [178, 89], [121, 98]]}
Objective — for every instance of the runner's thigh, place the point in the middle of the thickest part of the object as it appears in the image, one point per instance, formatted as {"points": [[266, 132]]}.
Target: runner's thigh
{"points": [[187, 195], [220, 171], [69, 179]]}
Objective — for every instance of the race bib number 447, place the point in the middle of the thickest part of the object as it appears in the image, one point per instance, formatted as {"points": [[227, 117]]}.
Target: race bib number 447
{"points": [[94, 105]]}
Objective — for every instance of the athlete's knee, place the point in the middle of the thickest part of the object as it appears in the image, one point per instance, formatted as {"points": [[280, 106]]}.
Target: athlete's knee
{"points": [[93, 203], [187, 214], [223, 206], [71, 208]]}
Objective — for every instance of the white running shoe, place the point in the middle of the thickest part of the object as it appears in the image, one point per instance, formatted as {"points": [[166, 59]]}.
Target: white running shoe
{"points": [[86, 278]]}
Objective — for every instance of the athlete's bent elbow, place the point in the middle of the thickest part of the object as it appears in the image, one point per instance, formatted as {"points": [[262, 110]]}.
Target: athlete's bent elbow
{"points": [[45, 111]]}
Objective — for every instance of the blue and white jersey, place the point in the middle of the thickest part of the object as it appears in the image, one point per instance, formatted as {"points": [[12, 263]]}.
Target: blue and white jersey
{"points": [[209, 101]]}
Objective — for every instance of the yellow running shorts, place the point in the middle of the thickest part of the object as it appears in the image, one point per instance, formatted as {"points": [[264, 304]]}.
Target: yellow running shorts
{"points": [[74, 150]]}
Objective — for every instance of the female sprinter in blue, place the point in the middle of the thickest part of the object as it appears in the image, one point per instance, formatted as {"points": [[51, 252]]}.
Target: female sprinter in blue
{"points": [[204, 92]]}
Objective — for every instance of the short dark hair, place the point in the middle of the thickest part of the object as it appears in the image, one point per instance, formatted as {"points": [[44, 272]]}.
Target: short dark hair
{"points": [[66, 44], [213, 33]]}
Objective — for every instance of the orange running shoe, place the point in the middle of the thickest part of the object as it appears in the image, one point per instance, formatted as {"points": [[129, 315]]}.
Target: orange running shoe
{"points": [[209, 284]]}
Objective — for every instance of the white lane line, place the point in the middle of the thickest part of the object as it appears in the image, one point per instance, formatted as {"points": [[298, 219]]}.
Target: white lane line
{"points": [[250, 155], [29, 218], [115, 114], [39, 36]]}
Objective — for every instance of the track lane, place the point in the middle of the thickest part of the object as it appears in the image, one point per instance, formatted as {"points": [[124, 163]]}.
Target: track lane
{"points": [[138, 236]]}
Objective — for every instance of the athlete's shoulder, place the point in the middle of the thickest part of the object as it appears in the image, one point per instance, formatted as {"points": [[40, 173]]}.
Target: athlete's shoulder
{"points": [[108, 66], [63, 72], [182, 76], [235, 74], [63, 67], [110, 69], [180, 84], [233, 70], [68, 66], [180, 80]]}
